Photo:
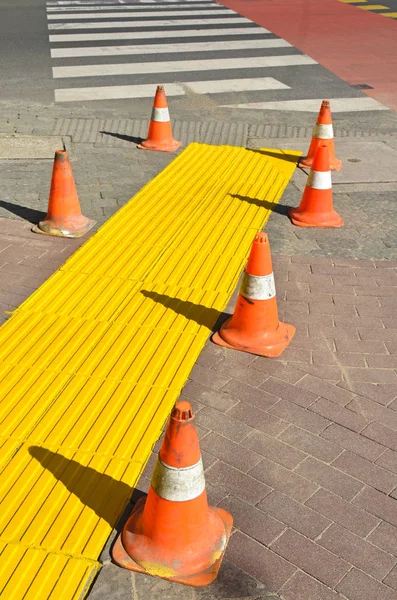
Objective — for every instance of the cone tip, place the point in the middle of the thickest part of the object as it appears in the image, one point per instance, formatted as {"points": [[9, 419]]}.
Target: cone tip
{"points": [[61, 155], [261, 238], [182, 411], [325, 104]]}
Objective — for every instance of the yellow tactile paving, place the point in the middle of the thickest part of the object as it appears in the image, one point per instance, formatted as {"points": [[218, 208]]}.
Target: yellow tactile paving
{"points": [[92, 362]]}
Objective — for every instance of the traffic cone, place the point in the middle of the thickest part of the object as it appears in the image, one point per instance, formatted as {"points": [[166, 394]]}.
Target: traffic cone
{"points": [[254, 326], [323, 134], [159, 136], [174, 534], [316, 208], [64, 216]]}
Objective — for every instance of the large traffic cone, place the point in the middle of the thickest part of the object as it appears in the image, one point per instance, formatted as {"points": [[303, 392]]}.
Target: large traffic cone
{"points": [[159, 136], [323, 134], [174, 534], [64, 216], [254, 326], [316, 208]]}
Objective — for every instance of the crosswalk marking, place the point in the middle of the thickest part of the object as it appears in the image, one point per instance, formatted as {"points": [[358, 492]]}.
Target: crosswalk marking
{"points": [[123, 15], [337, 104], [181, 66], [166, 23], [173, 89], [167, 48], [128, 7], [145, 35]]}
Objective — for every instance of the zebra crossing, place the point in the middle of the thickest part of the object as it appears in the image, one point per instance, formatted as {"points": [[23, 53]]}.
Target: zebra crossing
{"points": [[121, 49]]}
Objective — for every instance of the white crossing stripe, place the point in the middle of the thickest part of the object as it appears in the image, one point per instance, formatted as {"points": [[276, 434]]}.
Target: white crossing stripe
{"points": [[338, 105], [140, 35], [172, 89], [123, 15], [182, 66], [129, 7], [168, 48], [166, 23]]}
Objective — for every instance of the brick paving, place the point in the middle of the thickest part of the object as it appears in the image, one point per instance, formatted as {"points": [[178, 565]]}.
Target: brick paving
{"points": [[302, 449]]}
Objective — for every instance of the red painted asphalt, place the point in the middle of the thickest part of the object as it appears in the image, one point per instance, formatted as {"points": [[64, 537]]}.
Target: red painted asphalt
{"points": [[358, 46]]}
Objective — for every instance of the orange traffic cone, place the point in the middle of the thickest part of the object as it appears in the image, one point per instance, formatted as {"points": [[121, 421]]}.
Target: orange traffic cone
{"points": [[316, 208], [159, 136], [174, 534], [64, 216], [254, 326], [323, 133]]}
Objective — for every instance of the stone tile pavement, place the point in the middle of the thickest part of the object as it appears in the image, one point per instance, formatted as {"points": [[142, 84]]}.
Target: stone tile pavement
{"points": [[301, 449]]}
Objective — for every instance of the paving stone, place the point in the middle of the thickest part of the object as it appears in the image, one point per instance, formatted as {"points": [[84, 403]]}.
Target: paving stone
{"points": [[358, 552], [382, 393], [355, 442], [299, 416], [388, 460], [296, 515], [366, 471], [288, 482], [230, 452], [339, 510], [249, 394], [245, 374], [223, 424], [330, 478], [381, 434], [310, 443], [213, 398], [258, 419], [243, 486], [113, 582], [256, 523], [337, 414], [325, 390], [370, 375], [259, 561], [385, 537], [312, 558], [208, 377], [303, 587], [372, 411], [360, 586], [278, 370], [378, 504], [285, 390], [273, 449]]}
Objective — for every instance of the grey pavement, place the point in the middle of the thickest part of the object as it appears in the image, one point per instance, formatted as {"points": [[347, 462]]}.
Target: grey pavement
{"points": [[302, 449]]}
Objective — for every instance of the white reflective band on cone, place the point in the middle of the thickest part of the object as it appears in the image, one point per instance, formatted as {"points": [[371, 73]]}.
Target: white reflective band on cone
{"points": [[258, 288], [161, 115], [323, 132], [319, 180], [178, 485]]}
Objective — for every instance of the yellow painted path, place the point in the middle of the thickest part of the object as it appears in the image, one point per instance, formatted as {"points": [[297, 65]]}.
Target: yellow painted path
{"points": [[92, 362]]}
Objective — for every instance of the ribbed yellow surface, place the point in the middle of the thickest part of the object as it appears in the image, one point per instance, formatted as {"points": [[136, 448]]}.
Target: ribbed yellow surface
{"points": [[92, 362]]}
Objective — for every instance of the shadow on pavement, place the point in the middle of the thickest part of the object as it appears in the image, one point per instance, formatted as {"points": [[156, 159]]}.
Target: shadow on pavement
{"points": [[202, 315], [29, 214], [281, 154], [278, 208], [126, 138]]}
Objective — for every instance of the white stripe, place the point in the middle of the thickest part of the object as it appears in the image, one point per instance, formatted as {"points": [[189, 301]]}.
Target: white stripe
{"points": [[323, 132], [181, 66], [140, 35], [178, 485], [168, 48], [95, 2], [319, 180], [160, 115], [129, 7], [254, 287], [124, 15], [167, 23], [172, 89], [339, 105]]}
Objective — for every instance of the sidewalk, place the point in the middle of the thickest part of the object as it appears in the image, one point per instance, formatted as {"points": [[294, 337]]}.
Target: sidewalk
{"points": [[302, 449]]}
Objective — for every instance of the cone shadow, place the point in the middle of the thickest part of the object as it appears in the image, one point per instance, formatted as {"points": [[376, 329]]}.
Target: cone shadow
{"points": [[93, 489], [202, 315], [272, 206], [121, 136], [29, 214], [281, 154]]}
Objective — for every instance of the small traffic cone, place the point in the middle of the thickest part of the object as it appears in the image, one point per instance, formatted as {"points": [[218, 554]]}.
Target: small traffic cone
{"points": [[174, 534], [64, 216], [316, 208], [323, 134], [254, 326], [159, 136]]}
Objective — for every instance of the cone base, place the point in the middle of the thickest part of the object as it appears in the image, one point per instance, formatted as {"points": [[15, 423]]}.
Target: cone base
{"points": [[271, 350], [45, 228], [305, 219], [307, 163], [167, 147], [204, 578]]}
